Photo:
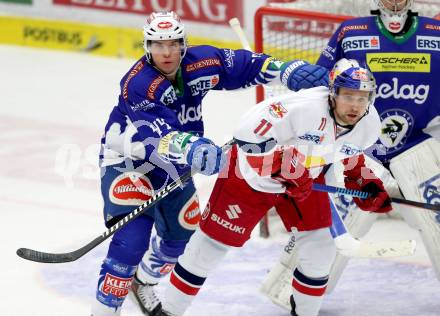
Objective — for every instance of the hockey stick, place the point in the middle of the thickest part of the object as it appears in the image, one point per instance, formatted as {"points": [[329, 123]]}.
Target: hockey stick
{"points": [[46, 257], [236, 27], [363, 195], [234, 23]]}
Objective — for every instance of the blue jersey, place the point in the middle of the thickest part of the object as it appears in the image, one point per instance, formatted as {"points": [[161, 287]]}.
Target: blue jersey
{"points": [[407, 71], [150, 106]]}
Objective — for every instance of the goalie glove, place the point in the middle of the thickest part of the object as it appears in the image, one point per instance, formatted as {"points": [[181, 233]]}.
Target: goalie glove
{"points": [[358, 177], [198, 152], [299, 74]]}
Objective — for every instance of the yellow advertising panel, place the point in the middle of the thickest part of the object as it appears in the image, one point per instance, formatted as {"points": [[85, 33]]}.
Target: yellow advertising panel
{"points": [[88, 38]]}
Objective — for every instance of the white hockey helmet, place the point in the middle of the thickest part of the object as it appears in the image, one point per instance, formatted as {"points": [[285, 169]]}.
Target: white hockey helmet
{"points": [[347, 73], [393, 13], [161, 26]]}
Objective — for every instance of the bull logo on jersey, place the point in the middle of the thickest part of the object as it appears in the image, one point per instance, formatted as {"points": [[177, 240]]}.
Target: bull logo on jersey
{"points": [[397, 125], [277, 110], [430, 190], [130, 188], [189, 215]]}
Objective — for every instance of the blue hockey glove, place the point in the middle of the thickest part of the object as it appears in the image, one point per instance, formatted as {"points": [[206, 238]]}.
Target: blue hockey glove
{"points": [[205, 157], [199, 152], [299, 74]]}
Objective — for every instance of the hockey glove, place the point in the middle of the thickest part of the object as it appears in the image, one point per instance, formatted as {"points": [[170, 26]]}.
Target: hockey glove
{"points": [[199, 152], [297, 181], [299, 74], [359, 177]]}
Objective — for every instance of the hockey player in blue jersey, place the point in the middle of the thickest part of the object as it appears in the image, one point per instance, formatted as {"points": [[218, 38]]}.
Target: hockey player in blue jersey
{"points": [[402, 49], [161, 98]]}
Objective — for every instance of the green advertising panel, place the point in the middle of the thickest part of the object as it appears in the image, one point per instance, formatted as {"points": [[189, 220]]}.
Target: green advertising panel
{"points": [[18, 1]]}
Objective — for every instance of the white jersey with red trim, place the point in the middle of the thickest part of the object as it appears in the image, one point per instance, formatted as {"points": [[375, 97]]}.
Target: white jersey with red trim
{"points": [[297, 124]]}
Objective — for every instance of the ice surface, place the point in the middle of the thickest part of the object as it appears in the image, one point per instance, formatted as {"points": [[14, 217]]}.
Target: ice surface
{"points": [[53, 108]]}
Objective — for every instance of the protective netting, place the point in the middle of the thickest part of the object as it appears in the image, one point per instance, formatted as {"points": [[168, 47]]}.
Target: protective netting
{"points": [[295, 37]]}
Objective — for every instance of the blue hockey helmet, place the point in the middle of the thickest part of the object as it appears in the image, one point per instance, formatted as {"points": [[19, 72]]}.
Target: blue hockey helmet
{"points": [[347, 73]]}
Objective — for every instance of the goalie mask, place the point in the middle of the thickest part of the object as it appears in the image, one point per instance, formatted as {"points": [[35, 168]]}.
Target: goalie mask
{"points": [[161, 26], [393, 13], [347, 73]]}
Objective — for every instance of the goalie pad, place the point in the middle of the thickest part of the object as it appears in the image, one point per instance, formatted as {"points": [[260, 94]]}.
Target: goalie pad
{"points": [[277, 285], [357, 222], [417, 172]]}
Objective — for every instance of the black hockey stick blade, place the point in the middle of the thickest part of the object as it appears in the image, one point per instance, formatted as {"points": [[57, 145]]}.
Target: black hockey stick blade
{"points": [[432, 207], [46, 257]]}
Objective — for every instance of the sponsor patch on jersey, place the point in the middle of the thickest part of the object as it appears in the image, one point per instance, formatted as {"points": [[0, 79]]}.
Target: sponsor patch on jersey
{"points": [[116, 286], [189, 114], [329, 52], [154, 85], [189, 215], [347, 28], [419, 94], [314, 136], [145, 105], [428, 43], [138, 67], [229, 57], [399, 62], [169, 96], [277, 110], [130, 188], [353, 43], [227, 225], [203, 84], [204, 63], [432, 27], [350, 149], [397, 125]]}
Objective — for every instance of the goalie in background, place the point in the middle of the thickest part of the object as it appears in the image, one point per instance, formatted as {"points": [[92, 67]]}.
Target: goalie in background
{"points": [[284, 145], [402, 50], [161, 99]]}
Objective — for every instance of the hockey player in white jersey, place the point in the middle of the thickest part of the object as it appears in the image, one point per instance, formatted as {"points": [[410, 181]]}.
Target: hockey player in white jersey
{"points": [[402, 50], [283, 146]]}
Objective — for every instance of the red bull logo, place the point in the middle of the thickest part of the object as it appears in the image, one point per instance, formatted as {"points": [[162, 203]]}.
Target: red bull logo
{"points": [[277, 110]]}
